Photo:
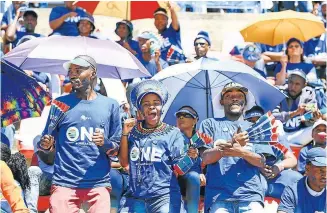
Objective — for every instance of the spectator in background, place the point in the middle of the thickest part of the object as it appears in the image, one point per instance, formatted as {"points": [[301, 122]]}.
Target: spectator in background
{"points": [[323, 7], [271, 55], [308, 194], [300, 99], [172, 51], [124, 29], [151, 61], [293, 60], [86, 26], [251, 55], [11, 13], [30, 22], [63, 20], [319, 140], [202, 44]]}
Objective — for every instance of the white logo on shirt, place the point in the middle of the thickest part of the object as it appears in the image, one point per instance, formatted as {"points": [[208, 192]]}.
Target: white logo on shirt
{"points": [[73, 134], [84, 118], [147, 154], [294, 122]]}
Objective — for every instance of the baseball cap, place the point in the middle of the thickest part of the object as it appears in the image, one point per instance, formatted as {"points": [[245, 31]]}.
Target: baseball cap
{"points": [[297, 72], [81, 60], [232, 85], [317, 156], [145, 35], [251, 53], [255, 111], [187, 111], [319, 122]]}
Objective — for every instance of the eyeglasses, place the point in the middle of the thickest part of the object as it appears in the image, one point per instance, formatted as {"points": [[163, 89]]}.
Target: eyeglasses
{"points": [[291, 46], [202, 44], [185, 115]]}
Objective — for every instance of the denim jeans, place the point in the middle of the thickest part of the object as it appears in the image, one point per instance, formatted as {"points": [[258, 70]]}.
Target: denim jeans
{"points": [[276, 186], [163, 204], [119, 184], [236, 207], [190, 187]]}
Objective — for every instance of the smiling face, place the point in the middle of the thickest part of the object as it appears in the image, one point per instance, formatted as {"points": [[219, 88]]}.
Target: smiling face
{"points": [[85, 27], [81, 77], [233, 102], [160, 22], [122, 31], [201, 47], [151, 107]]}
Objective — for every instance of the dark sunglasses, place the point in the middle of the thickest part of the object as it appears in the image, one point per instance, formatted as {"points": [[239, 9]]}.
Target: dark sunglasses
{"points": [[185, 115], [202, 44]]}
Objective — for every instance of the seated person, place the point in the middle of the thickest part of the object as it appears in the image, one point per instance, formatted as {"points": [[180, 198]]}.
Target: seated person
{"points": [[308, 194], [300, 100], [293, 60], [251, 55], [30, 22], [86, 26], [319, 140]]}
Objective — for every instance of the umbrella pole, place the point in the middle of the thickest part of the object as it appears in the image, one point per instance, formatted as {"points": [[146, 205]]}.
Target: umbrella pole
{"points": [[208, 90]]}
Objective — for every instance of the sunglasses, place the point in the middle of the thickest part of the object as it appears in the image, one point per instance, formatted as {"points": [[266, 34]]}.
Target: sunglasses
{"points": [[202, 44], [291, 46], [185, 115]]}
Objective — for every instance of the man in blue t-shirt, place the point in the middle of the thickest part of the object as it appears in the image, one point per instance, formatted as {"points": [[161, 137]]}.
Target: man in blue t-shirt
{"points": [[30, 22], [319, 140], [83, 129], [308, 195], [171, 50], [11, 13], [63, 20], [233, 175]]}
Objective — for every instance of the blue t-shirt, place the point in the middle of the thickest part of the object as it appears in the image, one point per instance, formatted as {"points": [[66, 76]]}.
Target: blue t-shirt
{"points": [[304, 67], [172, 46], [135, 46], [9, 15], [268, 48], [152, 67], [297, 199], [231, 178], [20, 35], [80, 163], [309, 47], [69, 27], [151, 160]]}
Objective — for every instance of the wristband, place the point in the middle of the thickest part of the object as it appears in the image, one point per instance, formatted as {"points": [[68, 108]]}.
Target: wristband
{"points": [[125, 134]]}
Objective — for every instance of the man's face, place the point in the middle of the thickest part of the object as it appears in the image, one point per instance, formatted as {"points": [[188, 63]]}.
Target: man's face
{"points": [[316, 136], [201, 47], [85, 27], [233, 102], [295, 85], [160, 22], [122, 31], [30, 23], [316, 176], [81, 77], [323, 11]]}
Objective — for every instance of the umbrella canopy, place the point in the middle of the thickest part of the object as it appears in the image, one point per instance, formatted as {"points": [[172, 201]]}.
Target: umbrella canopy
{"points": [[130, 10], [199, 84], [49, 53], [21, 96], [277, 28]]}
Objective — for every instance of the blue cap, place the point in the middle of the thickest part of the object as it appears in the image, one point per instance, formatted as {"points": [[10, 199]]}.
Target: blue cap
{"points": [[251, 53], [148, 87], [187, 111], [255, 111], [317, 156], [204, 35], [294, 40]]}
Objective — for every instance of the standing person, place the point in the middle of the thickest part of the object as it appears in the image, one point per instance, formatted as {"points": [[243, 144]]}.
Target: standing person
{"points": [[293, 60], [308, 194], [191, 182], [86, 26], [30, 22], [63, 20], [151, 149], [172, 51], [88, 133], [233, 167]]}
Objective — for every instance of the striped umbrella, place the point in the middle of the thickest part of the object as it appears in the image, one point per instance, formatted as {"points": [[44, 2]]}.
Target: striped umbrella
{"points": [[130, 10]]}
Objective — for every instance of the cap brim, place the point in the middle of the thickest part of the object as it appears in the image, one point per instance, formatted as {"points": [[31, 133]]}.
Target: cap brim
{"points": [[319, 161], [185, 111], [76, 61]]}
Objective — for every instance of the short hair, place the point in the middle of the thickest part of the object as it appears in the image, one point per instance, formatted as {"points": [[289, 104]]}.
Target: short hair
{"points": [[161, 9], [30, 13]]}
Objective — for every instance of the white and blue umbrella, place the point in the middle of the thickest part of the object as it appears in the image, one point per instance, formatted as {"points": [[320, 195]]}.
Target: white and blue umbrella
{"points": [[199, 84]]}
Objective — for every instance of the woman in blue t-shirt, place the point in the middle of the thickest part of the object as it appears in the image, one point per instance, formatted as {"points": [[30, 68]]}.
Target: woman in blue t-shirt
{"points": [[293, 60], [151, 149]]}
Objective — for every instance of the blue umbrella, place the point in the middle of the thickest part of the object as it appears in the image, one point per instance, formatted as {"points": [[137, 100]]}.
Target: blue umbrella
{"points": [[199, 85], [21, 96]]}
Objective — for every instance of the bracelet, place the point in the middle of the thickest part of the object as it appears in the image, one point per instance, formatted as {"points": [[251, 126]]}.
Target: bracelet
{"points": [[125, 134]]}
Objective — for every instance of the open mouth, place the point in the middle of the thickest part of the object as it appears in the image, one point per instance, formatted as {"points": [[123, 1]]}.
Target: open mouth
{"points": [[152, 115]]}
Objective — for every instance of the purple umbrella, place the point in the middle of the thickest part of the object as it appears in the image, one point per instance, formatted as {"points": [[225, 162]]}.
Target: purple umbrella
{"points": [[48, 54]]}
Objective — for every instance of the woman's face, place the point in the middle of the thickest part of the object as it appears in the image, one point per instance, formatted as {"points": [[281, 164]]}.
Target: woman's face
{"points": [[151, 107], [185, 122], [294, 49]]}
